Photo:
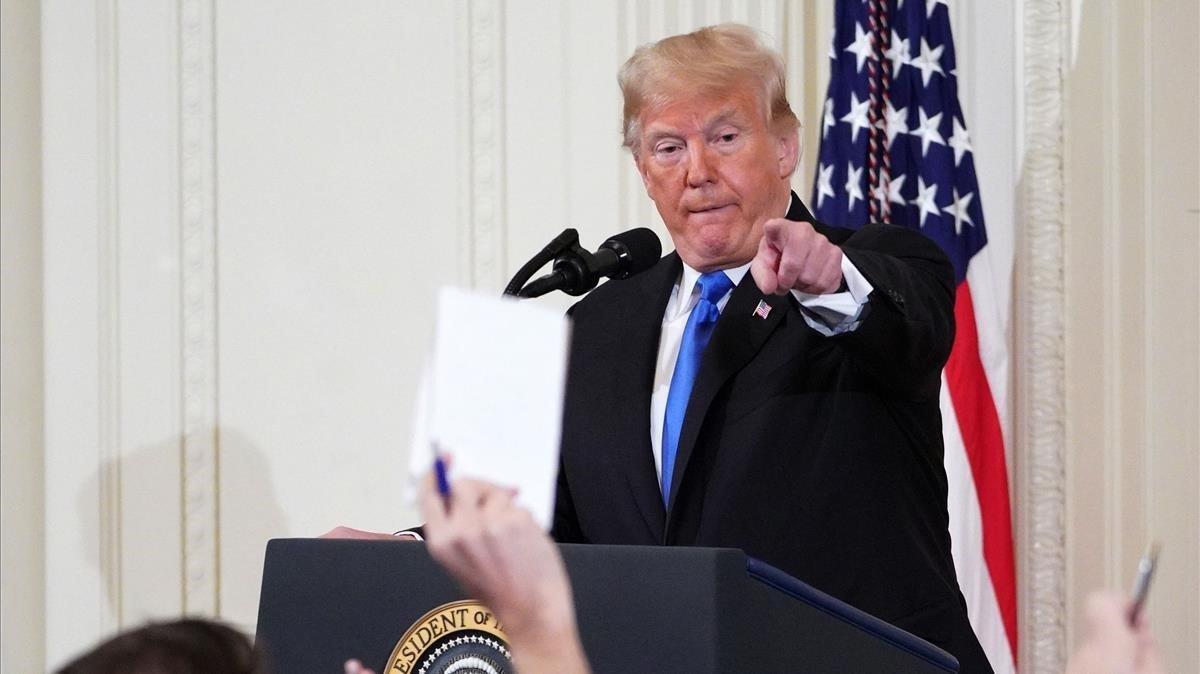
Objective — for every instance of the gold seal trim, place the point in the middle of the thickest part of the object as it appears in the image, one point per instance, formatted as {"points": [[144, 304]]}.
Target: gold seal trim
{"points": [[457, 616]]}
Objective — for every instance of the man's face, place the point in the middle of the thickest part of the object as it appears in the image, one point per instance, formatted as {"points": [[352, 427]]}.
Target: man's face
{"points": [[716, 172]]}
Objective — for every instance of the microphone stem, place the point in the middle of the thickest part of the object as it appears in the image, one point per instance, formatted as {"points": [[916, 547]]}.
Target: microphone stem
{"points": [[541, 286]]}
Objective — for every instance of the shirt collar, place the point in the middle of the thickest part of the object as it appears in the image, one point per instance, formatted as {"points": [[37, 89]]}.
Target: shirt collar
{"points": [[687, 285]]}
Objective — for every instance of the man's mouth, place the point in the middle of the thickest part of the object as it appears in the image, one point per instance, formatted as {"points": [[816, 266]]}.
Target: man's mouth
{"points": [[708, 208]]}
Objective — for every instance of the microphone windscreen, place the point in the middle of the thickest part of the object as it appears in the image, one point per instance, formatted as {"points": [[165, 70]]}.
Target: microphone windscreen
{"points": [[642, 247]]}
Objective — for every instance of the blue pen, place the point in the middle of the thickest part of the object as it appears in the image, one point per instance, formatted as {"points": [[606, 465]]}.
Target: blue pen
{"points": [[443, 484]]}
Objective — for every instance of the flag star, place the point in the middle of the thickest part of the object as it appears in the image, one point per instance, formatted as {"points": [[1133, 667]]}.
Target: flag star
{"points": [[897, 52], [931, 5], [928, 131], [895, 122], [857, 116], [960, 141], [828, 120], [824, 184], [853, 188], [893, 190], [926, 199], [861, 47], [958, 208], [929, 61]]}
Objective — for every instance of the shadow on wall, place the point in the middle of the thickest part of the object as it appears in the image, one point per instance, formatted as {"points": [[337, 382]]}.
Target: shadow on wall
{"points": [[139, 546]]}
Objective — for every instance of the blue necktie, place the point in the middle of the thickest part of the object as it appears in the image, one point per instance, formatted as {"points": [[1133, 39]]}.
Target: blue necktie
{"points": [[713, 286]]}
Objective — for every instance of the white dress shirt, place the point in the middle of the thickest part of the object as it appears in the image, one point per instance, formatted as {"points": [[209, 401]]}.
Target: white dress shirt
{"points": [[829, 315]]}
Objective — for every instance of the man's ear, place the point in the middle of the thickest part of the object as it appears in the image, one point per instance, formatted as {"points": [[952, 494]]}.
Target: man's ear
{"points": [[788, 151]]}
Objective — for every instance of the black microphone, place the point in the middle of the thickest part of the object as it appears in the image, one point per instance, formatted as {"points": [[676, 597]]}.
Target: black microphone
{"points": [[578, 271]]}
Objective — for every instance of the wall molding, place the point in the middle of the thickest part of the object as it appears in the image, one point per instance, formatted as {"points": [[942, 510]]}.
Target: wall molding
{"points": [[486, 133], [198, 270], [108, 311], [1041, 369]]}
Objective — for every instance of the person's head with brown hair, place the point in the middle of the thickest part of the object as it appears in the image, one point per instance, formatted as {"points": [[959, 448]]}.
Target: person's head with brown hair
{"points": [[187, 646], [715, 141]]}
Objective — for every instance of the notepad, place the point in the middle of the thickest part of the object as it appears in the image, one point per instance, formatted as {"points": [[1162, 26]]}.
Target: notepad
{"points": [[492, 396]]}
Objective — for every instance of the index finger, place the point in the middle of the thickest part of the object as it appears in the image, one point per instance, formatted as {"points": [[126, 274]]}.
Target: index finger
{"points": [[776, 232], [764, 267]]}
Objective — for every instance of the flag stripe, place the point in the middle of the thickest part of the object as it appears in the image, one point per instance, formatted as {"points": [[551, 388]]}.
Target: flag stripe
{"points": [[979, 426], [989, 279], [966, 523]]}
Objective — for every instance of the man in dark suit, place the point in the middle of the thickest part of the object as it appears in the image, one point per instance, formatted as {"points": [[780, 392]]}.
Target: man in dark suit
{"points": [[791, 411]]}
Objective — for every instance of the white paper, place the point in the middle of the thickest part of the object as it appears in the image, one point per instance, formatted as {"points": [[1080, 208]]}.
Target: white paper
{"points": [[493, 396]]}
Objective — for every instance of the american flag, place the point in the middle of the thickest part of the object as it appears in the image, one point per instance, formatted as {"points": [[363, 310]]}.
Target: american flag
{"points": [[895, 149]]}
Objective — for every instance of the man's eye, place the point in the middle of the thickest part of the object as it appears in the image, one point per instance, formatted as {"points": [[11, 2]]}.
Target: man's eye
{"points": [[728, 137], [668, 149]]}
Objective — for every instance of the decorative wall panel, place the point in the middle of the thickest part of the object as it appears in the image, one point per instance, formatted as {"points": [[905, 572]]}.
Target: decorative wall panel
{"points": [[486, 143], [1040, 349], [199, 307], [108, 263]]}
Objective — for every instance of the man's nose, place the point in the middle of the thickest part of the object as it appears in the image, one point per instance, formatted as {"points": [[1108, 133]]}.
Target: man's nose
{"points": [[700, 166]]}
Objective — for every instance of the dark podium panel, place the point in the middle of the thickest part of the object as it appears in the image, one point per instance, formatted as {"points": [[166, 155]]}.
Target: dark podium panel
{"points": [[640, 609]]}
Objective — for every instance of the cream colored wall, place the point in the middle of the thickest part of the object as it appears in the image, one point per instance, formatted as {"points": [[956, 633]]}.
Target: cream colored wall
{"points": [[1132, 325], [247, 206], [21, 510]]}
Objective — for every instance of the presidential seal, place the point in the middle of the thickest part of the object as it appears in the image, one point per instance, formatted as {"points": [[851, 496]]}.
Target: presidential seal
{"points": [[462, 637]]}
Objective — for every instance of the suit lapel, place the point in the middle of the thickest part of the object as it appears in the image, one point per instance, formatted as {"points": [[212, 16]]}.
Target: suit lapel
{"points": [[799, 212], [643, 323]]}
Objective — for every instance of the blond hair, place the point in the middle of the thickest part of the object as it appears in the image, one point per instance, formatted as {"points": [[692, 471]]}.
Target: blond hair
{"points": [[714, 60]]}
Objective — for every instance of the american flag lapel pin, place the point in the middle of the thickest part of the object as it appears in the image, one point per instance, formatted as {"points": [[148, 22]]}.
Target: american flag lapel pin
{"points": [[762, 309]]}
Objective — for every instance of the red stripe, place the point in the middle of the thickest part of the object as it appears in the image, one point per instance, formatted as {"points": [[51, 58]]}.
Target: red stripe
{"points": [[984, 443]]}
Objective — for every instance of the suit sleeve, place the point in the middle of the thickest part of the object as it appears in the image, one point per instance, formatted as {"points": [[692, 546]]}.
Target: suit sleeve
{"points": [[907, 327]]}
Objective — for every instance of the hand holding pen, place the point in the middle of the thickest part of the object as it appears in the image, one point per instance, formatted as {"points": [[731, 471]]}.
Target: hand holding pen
{"points": [[500, 555], [1118, 636]]}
